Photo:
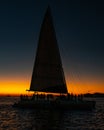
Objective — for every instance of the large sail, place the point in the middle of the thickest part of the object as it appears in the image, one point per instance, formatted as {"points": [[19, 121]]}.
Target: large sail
{"points": [[48, 75]]}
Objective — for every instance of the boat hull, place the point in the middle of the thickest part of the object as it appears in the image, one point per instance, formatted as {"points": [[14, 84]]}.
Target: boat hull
{"points": [[64, 105]]}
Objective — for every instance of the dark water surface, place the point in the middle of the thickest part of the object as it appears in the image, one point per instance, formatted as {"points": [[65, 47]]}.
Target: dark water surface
{"points": [[20, 119]]}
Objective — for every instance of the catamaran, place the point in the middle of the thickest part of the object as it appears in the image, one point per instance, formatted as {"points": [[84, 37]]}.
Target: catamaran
{"points": [[48, 76]]}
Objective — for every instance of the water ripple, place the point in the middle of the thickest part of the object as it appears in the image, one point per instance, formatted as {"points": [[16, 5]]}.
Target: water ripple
{"points": [[20, 119]]}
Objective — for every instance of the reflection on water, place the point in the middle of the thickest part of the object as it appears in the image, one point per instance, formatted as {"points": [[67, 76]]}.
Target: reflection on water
{"points": [[20, 119], [47, 120]]}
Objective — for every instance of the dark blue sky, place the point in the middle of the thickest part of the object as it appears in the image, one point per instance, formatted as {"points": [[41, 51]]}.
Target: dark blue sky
{"points": [[79, 26]]}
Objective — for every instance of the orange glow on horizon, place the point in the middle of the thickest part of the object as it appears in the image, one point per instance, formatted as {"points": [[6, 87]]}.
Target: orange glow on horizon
{"points": [[85, 87], [18, 86], [14, 86]]}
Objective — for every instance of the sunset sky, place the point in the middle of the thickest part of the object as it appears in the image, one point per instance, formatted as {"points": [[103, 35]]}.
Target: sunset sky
{"points": [[79, 26]]}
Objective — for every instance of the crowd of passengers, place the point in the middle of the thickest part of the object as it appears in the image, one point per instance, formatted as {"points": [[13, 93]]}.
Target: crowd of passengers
{"points": [[52, 97]]}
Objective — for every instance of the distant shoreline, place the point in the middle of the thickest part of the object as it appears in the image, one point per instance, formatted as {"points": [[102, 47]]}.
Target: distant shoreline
{"points": [[99, 95], [94, 95]]}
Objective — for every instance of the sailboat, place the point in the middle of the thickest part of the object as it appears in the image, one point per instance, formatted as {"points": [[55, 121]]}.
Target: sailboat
{"points": [[48, 76]]}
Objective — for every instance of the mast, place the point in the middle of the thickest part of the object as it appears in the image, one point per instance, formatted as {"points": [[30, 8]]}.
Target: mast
{"points": [[48, 75]]}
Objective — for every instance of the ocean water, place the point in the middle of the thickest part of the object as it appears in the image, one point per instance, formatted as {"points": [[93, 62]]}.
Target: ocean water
{"points": [[27, 119]]}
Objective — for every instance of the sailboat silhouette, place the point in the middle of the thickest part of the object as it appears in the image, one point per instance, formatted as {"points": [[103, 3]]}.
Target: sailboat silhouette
{"points": [[48, 75]]}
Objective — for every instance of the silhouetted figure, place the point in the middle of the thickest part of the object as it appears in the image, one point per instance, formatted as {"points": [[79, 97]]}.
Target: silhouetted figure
{"points": [[80, 97], [68, 96], [21, 97]]}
